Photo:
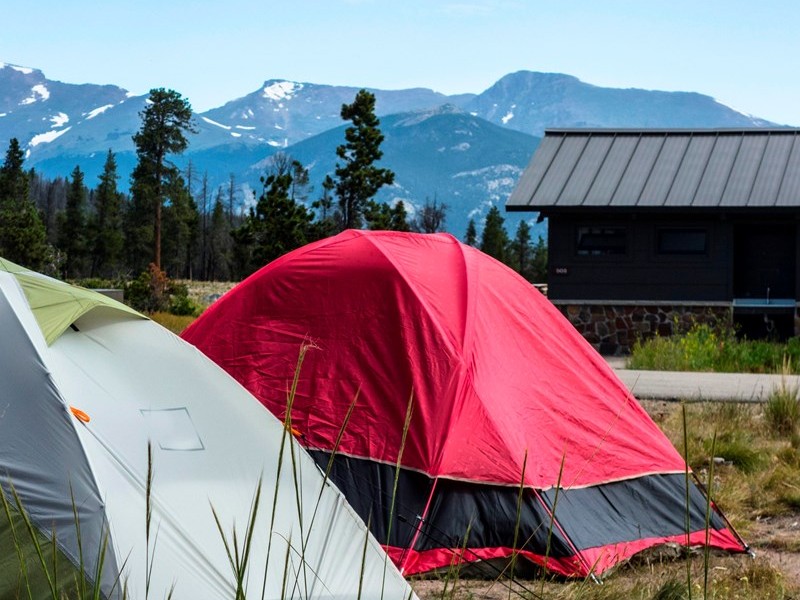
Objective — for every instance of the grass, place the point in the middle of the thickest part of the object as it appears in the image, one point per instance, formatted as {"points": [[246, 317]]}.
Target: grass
{"points": [[730, 578], [755, 480], [175, 323], [750, 465], [782, 410], [707, 348]]}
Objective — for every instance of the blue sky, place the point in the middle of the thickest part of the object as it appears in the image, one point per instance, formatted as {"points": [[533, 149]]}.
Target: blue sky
{"points": [[743, 53]]}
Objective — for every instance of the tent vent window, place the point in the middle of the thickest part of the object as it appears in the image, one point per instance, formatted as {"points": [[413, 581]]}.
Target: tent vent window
{"points": [[173, 429]]}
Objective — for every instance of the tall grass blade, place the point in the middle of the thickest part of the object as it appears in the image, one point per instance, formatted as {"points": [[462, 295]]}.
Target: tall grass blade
{"points": [[364, 557], [23, 565], [35, 541], [553, 518], [296, 475], [80, 581], [286, 434], [239, 559], [687, 513], [329, 467], [286, 562], [520, 495], [398, 464], [709, 487], [454, 572], [148, 516]]}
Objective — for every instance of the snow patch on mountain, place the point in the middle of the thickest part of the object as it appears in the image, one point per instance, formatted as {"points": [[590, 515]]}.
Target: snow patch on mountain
{"points": [[23, 70], [97, 111], [509, 115], [59, 120], [210, 122], [46, 138], [38, 92], [281, 90]]}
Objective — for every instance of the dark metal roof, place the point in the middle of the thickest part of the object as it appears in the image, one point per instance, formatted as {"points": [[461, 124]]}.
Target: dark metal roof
{"points": [[707, 168]]}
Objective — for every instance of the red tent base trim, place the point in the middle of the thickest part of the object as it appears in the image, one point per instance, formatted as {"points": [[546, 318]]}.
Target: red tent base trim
{"points": [[595, 527], [592, 561]]}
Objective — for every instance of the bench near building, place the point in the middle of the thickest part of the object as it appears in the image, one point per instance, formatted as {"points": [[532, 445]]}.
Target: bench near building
{"points": [[652, 228]]}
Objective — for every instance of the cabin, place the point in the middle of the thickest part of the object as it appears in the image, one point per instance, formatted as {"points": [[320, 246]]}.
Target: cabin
{"points": [[649, 230]]}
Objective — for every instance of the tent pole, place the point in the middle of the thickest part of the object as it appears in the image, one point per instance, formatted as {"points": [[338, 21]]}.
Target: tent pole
{"points": [[728, 524], [421, 521]]}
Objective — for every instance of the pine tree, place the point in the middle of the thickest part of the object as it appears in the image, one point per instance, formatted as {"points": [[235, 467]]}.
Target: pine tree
{"points": [[22, 233], [358, 178], [72, 227], [218, 267], [539, 262], [276, 225], [494, 239], [14, 182], [165, 122], [520, 250], [398, 220], [181, 228], [471, 237], [105, 226], [325, 223], [382, 216]]}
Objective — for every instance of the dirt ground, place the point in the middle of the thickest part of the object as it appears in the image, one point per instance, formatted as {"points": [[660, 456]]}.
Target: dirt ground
{"points": [[778, 540]]}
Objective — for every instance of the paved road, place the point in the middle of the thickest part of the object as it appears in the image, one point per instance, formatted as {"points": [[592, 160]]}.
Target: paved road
{"points": [[673, 385]]}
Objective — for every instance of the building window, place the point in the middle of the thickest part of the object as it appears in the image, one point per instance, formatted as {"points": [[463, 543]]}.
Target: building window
{"points": [[602, 241], [682, 241]]}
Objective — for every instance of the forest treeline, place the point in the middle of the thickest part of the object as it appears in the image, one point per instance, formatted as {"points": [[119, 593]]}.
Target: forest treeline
{"points": [[172, 224]]}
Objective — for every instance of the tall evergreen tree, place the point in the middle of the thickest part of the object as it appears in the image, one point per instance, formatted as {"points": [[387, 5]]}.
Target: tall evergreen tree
{"points": [[218, 266], [166, 120], [381, 216], [520, 251], [14, 183], [276, 225], [105, 225], [398, 220], [325, 223], [22, 233], [538, 268], [72, 239], [204, 228], [471, 236], [358, 177], [494, 239], [181, 229]]}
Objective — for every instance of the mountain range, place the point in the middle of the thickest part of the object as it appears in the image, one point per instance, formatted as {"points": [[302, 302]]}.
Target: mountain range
{"points": [[465, 150]]}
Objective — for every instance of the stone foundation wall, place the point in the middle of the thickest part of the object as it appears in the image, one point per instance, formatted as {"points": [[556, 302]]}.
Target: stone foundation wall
{"points": [[613, 328]]}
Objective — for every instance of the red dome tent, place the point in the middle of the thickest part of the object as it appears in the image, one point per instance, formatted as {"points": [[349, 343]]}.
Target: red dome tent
{"points": [[503, 389]]}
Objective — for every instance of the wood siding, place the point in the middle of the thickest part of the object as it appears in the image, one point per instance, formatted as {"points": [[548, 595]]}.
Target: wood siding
{"points": [[643, 273]]}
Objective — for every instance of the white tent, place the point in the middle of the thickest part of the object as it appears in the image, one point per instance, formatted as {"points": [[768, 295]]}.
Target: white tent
{"points": [[86, 384]]}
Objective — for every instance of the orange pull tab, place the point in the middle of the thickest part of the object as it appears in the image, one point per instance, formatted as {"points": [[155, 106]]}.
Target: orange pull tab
{"points": [[79, 414]]}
